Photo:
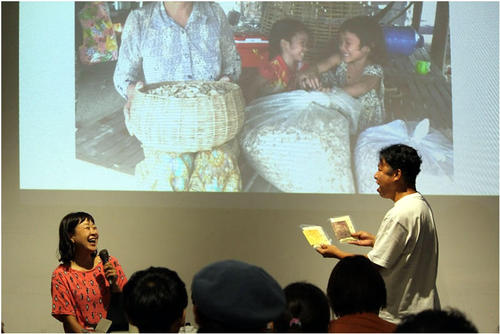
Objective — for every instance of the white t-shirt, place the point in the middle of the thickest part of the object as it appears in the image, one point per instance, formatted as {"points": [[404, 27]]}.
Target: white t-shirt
{"points": [[406, 247]]}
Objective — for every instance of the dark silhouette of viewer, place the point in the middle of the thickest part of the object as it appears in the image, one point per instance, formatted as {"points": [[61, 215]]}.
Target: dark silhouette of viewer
{"points": [[436, 321], [234, 296], [155, 300], [307, 310], [356, 292]]}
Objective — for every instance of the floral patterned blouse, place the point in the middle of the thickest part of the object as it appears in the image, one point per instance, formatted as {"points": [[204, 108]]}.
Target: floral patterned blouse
{"points": [[83, 294], [155, 48], [373, 112], [99, 38]]}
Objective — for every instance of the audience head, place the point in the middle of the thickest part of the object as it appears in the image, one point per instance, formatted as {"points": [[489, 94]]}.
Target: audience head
{"points": [[355, 286], [307, 310], [405, 158], [155, 300], [66, 231], [436, 321], [234, 296]]}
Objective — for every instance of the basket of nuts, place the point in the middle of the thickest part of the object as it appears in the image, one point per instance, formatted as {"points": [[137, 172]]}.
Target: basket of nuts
{"points": [[186, 116]]}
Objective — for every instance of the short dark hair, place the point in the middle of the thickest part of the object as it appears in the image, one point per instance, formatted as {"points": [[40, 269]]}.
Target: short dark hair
{"points": [[355, 286], [284, 29], [405, 158], [307, 304], [370, 34], [154, 299], [66, 231], [436, 321]]}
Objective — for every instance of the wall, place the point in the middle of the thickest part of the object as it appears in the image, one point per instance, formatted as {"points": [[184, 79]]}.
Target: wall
{"points": [[187, 239], [188, 231]]}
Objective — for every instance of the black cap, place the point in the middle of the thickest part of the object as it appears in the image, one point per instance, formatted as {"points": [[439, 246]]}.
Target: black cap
{"points": [[237, 294]]}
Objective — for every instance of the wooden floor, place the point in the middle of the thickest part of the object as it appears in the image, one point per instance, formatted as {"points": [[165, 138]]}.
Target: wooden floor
{"points": [[412, 97], [104, 140], [101, 135]]}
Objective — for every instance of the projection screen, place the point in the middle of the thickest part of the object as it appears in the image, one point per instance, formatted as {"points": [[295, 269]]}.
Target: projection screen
{"points": [[72, 134]]}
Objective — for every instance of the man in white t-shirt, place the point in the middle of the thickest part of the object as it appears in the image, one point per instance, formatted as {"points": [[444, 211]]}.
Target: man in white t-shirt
{"points": [[405, 248]]}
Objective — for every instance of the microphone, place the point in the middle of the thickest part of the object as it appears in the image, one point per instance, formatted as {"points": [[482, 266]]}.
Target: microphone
{"points": [[104, 255], [116, 311]]}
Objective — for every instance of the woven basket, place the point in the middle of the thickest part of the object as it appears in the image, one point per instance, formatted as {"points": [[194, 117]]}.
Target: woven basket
{"points": [[323, 19], [182, 125]]}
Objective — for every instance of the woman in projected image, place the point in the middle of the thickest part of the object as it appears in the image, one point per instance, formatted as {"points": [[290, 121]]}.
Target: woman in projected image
{"points": [[81, 288], [181, 41], [356, 68]]}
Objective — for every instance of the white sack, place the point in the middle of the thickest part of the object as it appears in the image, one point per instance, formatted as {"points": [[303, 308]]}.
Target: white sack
{"points": [[436, 151], [299, 141]]}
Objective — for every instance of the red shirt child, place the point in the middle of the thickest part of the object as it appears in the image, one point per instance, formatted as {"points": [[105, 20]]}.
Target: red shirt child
{"points": [[280, 77], [287, 46]]}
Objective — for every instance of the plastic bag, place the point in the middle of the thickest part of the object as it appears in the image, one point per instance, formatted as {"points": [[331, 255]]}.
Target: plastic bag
{"points": [[274, 109], [436, 151], [299, 141]]}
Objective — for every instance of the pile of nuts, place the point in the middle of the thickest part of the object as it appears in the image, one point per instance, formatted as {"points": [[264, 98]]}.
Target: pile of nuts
{"points": [[190, 90]]}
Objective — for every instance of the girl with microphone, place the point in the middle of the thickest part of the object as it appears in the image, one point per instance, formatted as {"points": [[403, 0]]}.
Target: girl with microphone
{"points": [[82, 284]]}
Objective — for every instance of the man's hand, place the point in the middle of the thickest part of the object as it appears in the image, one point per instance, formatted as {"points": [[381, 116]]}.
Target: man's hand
{"points": [[364, 239], [331, 251]]}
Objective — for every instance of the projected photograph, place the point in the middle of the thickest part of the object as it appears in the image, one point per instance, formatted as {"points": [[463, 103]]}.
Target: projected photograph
{"points": [[294, 97]]}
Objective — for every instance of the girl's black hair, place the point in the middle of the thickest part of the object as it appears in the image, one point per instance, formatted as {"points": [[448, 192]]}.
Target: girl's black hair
{"points": [[284, 29], [307, 310], [66, 230], [370, 34]]}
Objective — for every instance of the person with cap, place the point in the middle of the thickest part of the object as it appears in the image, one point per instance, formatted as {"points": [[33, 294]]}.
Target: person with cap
{"points": [[234, 296]]}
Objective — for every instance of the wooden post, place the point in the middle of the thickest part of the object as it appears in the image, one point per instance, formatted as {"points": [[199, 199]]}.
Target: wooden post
{"points": [[440, 35], [417, 15]]}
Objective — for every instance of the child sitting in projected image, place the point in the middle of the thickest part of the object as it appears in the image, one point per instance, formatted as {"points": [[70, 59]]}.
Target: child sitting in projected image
{"points": [[287, 45], [356, 68]]}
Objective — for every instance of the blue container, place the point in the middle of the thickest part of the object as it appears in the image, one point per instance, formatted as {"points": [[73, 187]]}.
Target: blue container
{"points": [[402, 40]]}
